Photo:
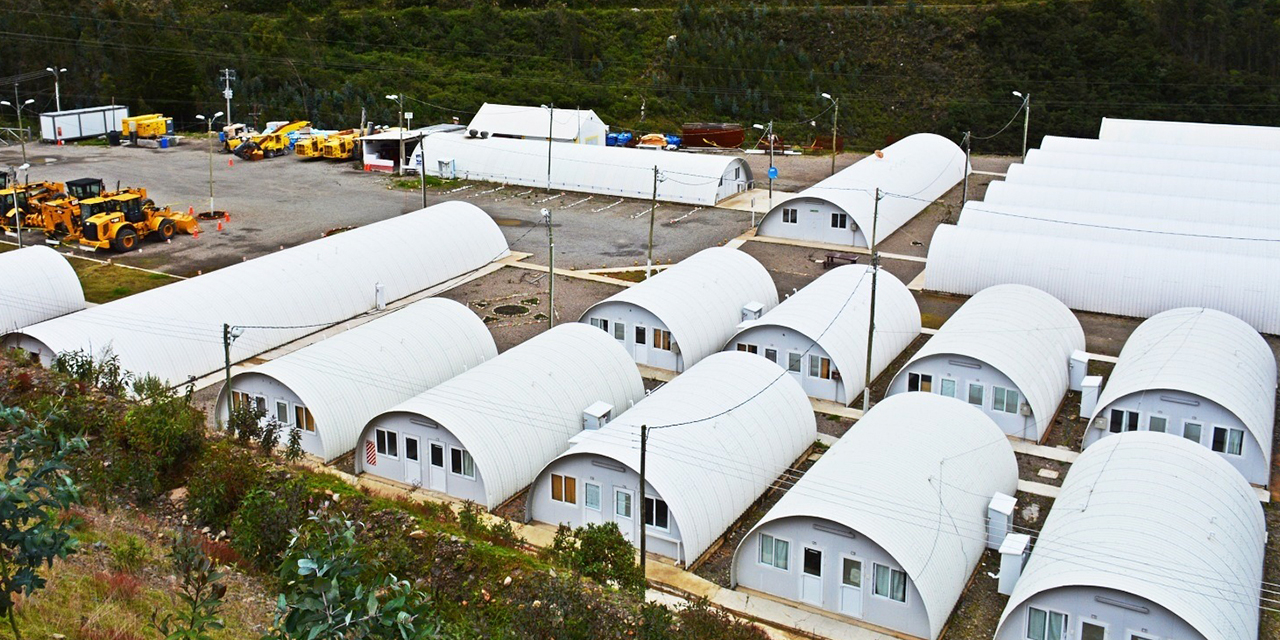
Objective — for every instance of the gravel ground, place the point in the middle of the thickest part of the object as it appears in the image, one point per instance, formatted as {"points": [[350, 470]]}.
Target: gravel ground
{"points": [[793, 267], [978, 611], [1029, 469]]}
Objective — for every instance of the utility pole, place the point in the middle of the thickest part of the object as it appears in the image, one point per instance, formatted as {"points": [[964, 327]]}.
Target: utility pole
{"points": [[871, 324], [968, 142], [209, 122], [551, 128], [227, 76], [551, 270], [57, 91], [644, 446], [648, 266], [229, 335], [17, 210], [399, 98], [1026, 120], [835, 119]]}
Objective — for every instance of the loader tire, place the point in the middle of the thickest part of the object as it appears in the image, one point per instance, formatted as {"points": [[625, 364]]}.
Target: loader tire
{"points": [[165, 230], [126, 240]]}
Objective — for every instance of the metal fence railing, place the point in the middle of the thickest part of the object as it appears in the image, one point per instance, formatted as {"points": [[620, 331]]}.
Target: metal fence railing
{"points": [[13, 135]]}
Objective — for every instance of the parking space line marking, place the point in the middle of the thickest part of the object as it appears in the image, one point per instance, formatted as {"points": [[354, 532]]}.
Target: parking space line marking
{"points": [[561, 195], [607, 206], [693, 211], [577, 202]]}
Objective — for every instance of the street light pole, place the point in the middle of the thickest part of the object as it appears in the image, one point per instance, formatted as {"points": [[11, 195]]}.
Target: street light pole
{"points": [[968, 143], [835, 120], [551, 129], [57, 94], [1026, 120], [551, 270], [399, 98], [17, 106], [653, 207], [229, 335], [769, 136], [209, 121]]}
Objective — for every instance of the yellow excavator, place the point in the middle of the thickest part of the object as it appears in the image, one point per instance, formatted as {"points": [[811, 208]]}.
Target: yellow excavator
{"points": [[266, 145], [120, 221], [341, 145]]}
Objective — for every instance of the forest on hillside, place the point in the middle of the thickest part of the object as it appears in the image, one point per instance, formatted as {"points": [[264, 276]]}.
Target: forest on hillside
{"points": [[898, 68]]}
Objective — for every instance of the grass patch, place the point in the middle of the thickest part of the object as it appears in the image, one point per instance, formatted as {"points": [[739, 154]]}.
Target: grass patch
{"points": [[629, 276], [93, 142], [414, 184], [107, 282]]}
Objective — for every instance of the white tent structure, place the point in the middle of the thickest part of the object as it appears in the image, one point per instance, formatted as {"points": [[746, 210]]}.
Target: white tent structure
{"points": [[578, 126], [890, 523], [687, 178], [503, 420], [1138, 205], [1190, 133], [1150, 533], [1189, 168], [687, 312], [910, 173], [1150, 231], [1199, 367], [1105, 277], [175, 332], [381, 151], [721, 434], [1009, 337], [331, 389], [39, 284], [1154, 183], [828, 320], [1201, 153]]}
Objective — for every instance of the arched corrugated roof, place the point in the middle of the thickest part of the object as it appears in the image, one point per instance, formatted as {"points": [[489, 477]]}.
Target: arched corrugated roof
{"points": [[1190, 133], [914, 172], [1025, 333], [1161, 518], [1190, 211], [1106, 277], [762, 423], [690, 178], [1223, 189], [175, 331], [1216, 170], [349, 378], [1265, 156], [516, 412], [39, 284], [915, 475], [1203, 352], [700, 298], [833, 312]]}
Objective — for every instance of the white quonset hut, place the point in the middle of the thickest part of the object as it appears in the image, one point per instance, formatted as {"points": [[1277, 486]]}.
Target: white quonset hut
{"points": [[1006, 352], [331, 389], [688, 178], [1150, 538], [579, 126], [819, 334], [1175, 209], [485, 434], [687, 312], [1189, 168], [722, 433], [175, 332], [1106, 277], [1190, 133], [39, 284], [910, 173], [1201, 153], [1152, 183], [888, 526], [1199, 374]]}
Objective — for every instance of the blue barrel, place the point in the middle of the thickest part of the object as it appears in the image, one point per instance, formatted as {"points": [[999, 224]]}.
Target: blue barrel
{"points": [[611, 140], [222, 137], [673, 140], [164, 142]]}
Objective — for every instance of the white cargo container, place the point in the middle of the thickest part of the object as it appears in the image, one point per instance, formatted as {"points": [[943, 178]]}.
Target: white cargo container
{"points": [[78, 124]]}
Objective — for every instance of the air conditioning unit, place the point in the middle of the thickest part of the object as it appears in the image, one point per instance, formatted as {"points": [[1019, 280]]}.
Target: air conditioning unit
{"points": [[675, 347], [835, 375], [1099, 422], [1024, 409], [752, 311]]}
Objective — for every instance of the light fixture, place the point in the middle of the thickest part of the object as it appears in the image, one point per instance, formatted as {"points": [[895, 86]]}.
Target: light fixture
{"points": [[1017, 93]]}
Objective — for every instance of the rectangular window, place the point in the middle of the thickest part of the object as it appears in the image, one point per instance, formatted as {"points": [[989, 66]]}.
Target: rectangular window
{"points": [[919, 382], [771, 354], [437, 456], [1191, 431], [948, 388], [1090, 631], [411, 449], [1003, 399], [386, 442], [305, 420], [774, 552], [793, 362], [1122, 420], [564, 489], [591, 496], [819, 367], [1045, 625], [622, 503], [1156, 423], [640, 333], [976, 392], [790, 216], [839, 221], [749, 348], [601, 324], [890, 583], [656, 513], [282, 412], [239, 399], [1228, 441], [662, 339], [851, 573], [461, 463], [261, 403], [619, 331]]}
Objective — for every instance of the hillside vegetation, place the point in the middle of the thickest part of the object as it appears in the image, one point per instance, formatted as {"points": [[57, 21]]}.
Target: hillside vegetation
{"points": [[898, 68]]}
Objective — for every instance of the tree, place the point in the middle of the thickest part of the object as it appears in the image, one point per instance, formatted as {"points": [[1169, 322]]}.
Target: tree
{"points": [[34, 492], [326, 599], [201, 593]]}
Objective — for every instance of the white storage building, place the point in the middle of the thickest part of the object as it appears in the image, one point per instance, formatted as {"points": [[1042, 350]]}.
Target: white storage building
{"points": [[485, 434], [687, 312], [687, 178], [819, 334], [577, 126], [1200, 153], [1154, 183], [79, 124], [381, 151], [1164, 166], [1151, 537], [889, 525], [1174, 209], [331, 389], [1199, 374], [39, 284], [1105, 277], [1006, 352], [721, 434], [910, 173], [1190, 133], [175, 332]]}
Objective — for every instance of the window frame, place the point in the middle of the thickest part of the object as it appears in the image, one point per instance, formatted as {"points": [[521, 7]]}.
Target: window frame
{"points": [[586, 496], [773, 552], [381, 440], [839, 220], [630, 501], [288, 412], [875, 583], [982, 394], [645, 511], [1130, 419], [823, 367], [661, 339], [1164, 428], [1226, 450], [920, 380], [955, 387], [620, 331], [771, 355], [641, 335], [309, 424], [463, 460], [1003, 393], [1199, 439], [601, 324], [795, 362], [1048, 618], [568, 486], [790, 216]]}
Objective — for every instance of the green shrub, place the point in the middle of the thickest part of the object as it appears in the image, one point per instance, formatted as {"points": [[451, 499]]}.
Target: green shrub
{"points": [[470, 519], [245, 423], [599, 552], [262, 525], [149, 451], [103, 372], [222, 478], [129, 554]]}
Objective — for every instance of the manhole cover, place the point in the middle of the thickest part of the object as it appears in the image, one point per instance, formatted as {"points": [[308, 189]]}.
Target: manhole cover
{"points": [[511, 310]]}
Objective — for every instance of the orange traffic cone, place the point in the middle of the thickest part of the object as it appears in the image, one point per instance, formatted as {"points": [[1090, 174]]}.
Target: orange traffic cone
{"points": [[226, 216], [219, 225], [191, 211], [230, 162], [196, 234]]}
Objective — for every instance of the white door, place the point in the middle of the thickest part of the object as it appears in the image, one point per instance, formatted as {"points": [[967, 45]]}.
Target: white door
{"points": [[851, 587], [640, 343], [412, 462], [436, 468], [624, 513], [592, 499], [811, 577]]}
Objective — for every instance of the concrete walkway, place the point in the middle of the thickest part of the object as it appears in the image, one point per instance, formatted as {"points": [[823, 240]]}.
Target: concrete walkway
{"points": [[581, 275], [843, 248], [1039, 489], [756, 200], [1040, 451]]}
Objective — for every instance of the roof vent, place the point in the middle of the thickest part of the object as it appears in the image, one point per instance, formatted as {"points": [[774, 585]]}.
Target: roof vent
{"points": [[597, 415], [752, 311]]}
